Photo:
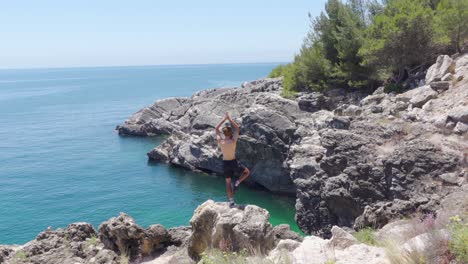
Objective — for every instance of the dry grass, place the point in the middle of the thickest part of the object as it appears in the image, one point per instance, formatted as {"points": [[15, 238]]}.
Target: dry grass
{"points": [[430, 240], [397, 255], [124, 257], [217, 256]]}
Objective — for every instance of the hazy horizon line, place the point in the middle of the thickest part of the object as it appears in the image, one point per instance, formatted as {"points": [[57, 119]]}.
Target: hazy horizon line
{"points": [[142, 65]]}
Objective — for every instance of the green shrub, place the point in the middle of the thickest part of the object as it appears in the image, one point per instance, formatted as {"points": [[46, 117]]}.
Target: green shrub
{"points": [[279, 71], [458, 243], [366, 236]]}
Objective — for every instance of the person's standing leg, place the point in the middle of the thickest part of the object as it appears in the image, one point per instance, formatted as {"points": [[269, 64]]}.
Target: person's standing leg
{"points": [[228, 172], [229, 189]]}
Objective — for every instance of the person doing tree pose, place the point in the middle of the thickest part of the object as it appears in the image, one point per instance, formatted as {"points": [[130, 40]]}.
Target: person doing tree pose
{"points": [[227, 142]]}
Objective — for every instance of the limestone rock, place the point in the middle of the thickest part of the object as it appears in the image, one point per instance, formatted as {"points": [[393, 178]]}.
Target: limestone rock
{"points": [[283, 231], [312, 102], [440, 86], [443, 65], [71, 245], [341, 239], [419, 96], [459, 114], [315, 250], [179, 236], [122, 235], [215, 225], [461, 128]]}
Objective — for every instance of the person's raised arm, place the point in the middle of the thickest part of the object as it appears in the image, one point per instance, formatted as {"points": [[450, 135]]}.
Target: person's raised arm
{"points": [[218, 133], [234, 124]]}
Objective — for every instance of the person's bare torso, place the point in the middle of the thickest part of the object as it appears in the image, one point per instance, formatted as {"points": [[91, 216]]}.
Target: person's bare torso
{"points": [[228, 147]]}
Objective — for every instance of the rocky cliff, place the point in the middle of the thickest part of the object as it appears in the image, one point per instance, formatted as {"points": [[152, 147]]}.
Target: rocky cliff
{"points": [[352, 159]]}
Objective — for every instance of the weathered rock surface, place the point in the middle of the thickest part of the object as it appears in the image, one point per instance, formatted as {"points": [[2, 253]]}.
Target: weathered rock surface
{"points": [[75, 244], [443, 66], [351, 160], [340, 249], [122, 235], [216, 225]]}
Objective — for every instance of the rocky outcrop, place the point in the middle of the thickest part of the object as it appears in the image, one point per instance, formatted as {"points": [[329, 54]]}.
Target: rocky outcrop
{"points": [[75, 244], [268, 128], [122, 235], [352, 160], [216, 225], [243, 232], [443, 66], [120, 239]]}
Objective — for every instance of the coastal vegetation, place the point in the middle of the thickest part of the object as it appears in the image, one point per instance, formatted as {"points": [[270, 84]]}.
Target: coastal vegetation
{"points": [[366, 43], [366, 236]]}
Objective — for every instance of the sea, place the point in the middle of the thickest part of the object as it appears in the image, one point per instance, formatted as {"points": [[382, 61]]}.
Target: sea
{"points": [[61, 160]]}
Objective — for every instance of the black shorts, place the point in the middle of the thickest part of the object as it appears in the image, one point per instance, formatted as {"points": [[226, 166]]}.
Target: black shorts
{"points": [[232, 168]]}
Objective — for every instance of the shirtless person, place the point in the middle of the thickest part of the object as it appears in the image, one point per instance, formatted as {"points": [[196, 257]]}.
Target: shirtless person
{"points": [[230, 164]]}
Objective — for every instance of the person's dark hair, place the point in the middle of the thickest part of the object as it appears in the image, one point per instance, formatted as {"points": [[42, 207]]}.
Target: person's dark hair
{"points": [[227, 131]]}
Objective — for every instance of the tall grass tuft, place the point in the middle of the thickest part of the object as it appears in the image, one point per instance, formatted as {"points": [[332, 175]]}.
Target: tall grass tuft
{"points": [[366, 236], [458, 243]]}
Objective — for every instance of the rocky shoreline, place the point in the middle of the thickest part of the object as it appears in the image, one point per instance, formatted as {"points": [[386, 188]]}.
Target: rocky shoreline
{"points": [[351, 159], [215, 227]]}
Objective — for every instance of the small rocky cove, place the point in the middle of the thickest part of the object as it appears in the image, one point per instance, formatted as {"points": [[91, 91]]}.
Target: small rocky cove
{"points": [[397, 163]]}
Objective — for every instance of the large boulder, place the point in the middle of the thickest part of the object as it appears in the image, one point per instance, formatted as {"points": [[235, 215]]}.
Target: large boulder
{"points": [[459, 114], [443, 65], [419, 96], [312, 102], [216, 225], [121, 234]]}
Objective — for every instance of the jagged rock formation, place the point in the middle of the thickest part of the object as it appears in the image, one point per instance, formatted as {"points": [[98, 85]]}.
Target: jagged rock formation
{"points": [[351, 159], [75, 244], [122, 235], [215, 225], [121, 239]]}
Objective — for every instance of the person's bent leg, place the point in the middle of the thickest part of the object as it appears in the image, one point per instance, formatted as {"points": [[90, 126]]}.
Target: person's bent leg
{"points": [[245, 174]]}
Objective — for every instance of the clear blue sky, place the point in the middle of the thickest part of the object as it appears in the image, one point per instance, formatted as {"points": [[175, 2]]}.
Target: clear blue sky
{"points": [[62, 33]]}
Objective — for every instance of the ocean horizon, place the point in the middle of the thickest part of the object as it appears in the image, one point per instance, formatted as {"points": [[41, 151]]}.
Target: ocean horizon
{"points": [[142, 65]]}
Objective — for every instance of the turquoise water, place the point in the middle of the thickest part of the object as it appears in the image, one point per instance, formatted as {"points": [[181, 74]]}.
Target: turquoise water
{"points": [[62, 162]]}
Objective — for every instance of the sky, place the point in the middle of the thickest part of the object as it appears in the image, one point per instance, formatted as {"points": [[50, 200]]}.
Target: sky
{"points": [[58, 33]]}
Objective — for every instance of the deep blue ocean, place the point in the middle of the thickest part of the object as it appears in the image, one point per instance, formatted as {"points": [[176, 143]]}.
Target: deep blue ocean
{"points": [[61, 160]]}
